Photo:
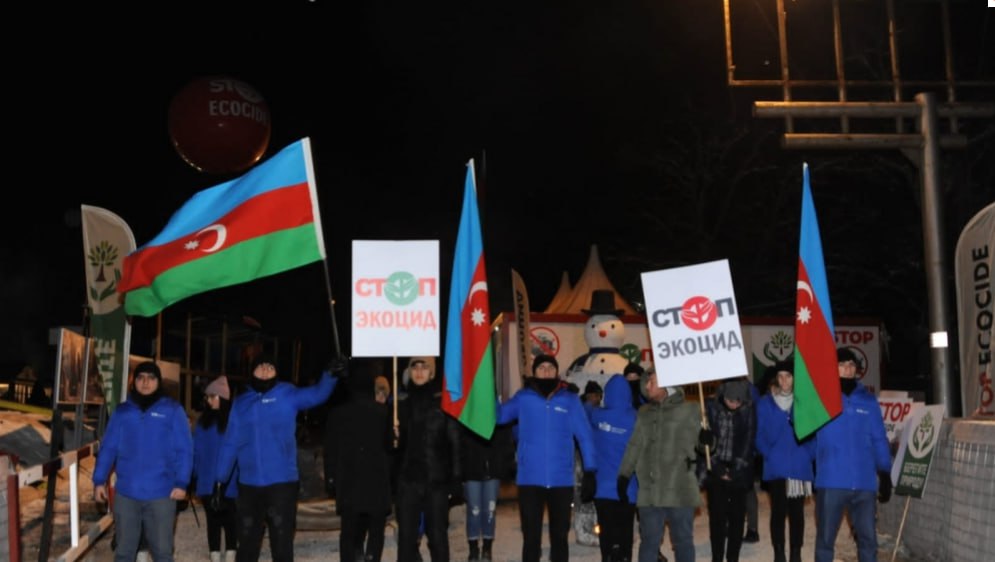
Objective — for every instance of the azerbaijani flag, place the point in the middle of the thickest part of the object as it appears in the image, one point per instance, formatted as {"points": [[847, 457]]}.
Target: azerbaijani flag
{"points": [[264, 222], [468, 376], [817, 385]]}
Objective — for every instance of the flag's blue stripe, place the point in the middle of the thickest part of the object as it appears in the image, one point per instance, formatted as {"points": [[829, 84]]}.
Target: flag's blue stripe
{"points": [[285, 168], [810, 250], [469, 246]]}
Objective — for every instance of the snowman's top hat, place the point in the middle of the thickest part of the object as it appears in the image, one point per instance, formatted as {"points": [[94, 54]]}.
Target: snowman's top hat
{"points": [[602, 302]]}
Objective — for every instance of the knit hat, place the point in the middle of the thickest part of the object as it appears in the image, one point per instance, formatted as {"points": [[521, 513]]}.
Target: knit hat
{"points": [[261, 360], [846, 354], [632, 368], [428, 361], [218, 387], [148, 367], [737, 389], [593, 388], [543, 358]]}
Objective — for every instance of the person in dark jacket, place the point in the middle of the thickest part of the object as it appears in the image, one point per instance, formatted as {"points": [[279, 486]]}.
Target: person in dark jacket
{"points": [[358, 445], [429, 472], [852, 463], [550, 417], [485, 462], [207, 436], [787, 466], [733, 426], [148, 445], [262, 439], [613, 424]]}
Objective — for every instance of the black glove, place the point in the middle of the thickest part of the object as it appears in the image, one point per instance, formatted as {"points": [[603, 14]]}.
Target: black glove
{"points": [[330, 487], [217, 501], [622, 487], [706, 438], [588, 487], [456, 493], [884, 487], [339, 367]]}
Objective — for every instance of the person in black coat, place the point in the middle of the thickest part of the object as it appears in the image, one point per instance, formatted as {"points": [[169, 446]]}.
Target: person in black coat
{"points": [[358, 447], [429, 471]]}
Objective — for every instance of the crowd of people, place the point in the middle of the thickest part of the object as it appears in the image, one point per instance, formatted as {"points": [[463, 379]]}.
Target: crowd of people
{"points": [[648, 457]]}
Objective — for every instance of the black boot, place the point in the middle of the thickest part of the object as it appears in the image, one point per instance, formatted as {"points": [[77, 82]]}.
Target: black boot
{"points": [[796, 554], [485, 554], [779, 553], [474, 551]]}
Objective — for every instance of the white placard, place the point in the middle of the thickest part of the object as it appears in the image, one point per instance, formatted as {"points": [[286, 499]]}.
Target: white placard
{"points": [[395, 298], [694, 323]]}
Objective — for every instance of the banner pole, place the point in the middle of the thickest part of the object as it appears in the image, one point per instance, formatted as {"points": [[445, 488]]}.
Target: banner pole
{"points": [[901, 526], [331, 308], [704, 424], [395, 401]]}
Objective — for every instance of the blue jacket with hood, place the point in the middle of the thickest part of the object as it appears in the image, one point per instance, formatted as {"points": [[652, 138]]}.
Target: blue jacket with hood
{"points": [[853, 447], [151, 451], [262, 432], [547, 429], [613, 424]]}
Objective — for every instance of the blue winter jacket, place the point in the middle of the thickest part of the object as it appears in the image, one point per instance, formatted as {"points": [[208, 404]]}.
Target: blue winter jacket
{"points": [[784, 457], [262, 432], [206, 446], [853, 447], [547, 429], [613, 424], [151, 451]]}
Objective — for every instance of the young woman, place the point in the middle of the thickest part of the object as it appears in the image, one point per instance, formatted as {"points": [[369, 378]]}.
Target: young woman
{"points": [[207, 435]]}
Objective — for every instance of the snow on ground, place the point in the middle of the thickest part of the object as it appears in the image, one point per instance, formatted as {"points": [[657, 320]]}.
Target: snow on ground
{"points": [[315, 546]]}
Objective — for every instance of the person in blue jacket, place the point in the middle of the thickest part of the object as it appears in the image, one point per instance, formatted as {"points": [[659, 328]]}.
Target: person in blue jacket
{"points": [[852, 465], [787, 463], [148, 445], [261, 438], [550, 418], [612, 425], [207, 434]]}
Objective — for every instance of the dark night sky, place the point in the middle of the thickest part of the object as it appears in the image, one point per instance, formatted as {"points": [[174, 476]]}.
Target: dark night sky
{"points": [[577, 105]]}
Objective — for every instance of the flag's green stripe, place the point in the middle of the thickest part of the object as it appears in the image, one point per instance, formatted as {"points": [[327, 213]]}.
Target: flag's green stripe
{"points": [[249, 260], [479, 412], [809, 411]]}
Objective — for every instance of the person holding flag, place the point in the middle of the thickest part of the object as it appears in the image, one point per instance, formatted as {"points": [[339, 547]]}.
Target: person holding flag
{"points": [[852, 465]]}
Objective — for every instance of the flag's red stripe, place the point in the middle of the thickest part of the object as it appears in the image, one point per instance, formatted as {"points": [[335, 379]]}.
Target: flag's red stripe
{"points": [[817, 345], [249, 220]]}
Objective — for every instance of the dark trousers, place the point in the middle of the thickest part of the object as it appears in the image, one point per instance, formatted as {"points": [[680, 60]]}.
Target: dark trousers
{"points": [[273, 506], [413, 499], [361, 533], [222, 520], [781, 507], [726, 514], [532, 501], [615, 519]]}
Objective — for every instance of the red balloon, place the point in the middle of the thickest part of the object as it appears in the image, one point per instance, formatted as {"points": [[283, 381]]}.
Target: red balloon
{"points": [[219, 125]]}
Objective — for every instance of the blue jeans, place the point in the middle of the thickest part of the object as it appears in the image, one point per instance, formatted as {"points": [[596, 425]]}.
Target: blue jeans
{"points": [[829, 506], [154, 517], [481, 508], [651, 524]]}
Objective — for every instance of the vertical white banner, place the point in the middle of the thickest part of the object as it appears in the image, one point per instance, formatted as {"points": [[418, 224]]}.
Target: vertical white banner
{"points": [[975, 293]]}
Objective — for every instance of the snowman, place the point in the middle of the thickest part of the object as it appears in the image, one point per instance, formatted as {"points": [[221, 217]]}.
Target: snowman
{"points": [[604, 334]]}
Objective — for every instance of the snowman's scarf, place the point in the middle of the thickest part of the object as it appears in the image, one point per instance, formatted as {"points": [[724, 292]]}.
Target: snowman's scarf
{"points": [[595, 350]]}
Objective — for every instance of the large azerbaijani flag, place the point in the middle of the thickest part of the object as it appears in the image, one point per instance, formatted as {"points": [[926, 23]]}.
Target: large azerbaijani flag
{"points": [[468, 376], [262, 223], [817, 385]]}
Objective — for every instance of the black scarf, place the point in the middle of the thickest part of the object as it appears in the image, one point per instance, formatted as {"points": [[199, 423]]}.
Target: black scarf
{"points": [[262, 386], [545, 387], [145, 401], [848, 385]]}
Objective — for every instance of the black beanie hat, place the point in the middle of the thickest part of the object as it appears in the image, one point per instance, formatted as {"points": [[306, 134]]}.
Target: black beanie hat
{"points": [[148, 367], [540, 359], [260, 360], [592, 388], [846, 354], [632, 368]]}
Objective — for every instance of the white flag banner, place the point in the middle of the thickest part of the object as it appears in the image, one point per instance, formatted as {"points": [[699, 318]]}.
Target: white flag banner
{"points": [[107, 239], [975, 293]]}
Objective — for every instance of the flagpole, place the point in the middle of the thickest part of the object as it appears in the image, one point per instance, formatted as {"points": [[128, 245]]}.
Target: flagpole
{"points": [[331, 308]]}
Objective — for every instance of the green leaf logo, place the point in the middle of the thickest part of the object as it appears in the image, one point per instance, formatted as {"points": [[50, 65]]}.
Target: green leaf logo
{"points": [[401, 288]]}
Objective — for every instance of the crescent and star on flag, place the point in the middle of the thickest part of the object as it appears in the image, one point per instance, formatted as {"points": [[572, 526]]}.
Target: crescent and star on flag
{"points": [[477, 315], [195, 242], [804, 314]]}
